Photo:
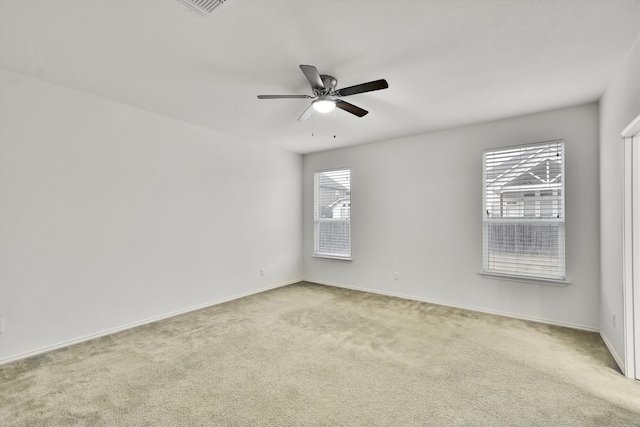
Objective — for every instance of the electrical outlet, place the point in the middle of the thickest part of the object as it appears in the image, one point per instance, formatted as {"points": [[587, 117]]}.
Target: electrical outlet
{"points": [[614, 320], [396, 276], [261, 272]]}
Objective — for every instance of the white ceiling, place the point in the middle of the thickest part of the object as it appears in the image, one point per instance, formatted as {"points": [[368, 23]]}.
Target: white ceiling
{"points": [[448, 62]]}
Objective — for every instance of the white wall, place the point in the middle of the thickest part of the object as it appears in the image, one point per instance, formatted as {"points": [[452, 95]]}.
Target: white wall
{"points": [[417, 209], [618, 107], [112, 215]]}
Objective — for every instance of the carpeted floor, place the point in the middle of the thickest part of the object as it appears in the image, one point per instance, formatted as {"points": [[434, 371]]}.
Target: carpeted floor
{"points": [[310, 355]]}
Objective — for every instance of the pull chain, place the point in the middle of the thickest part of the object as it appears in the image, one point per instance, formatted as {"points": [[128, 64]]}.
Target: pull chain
{"points": [[334, 122], [313, 124]]}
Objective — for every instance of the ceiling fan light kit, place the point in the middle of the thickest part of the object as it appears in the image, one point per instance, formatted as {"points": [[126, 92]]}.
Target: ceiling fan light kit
{"points": [[323, 105], [326, 97]]}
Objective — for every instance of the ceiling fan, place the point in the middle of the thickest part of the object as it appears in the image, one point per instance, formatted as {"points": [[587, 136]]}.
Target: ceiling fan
{"points": [[326, 96]]}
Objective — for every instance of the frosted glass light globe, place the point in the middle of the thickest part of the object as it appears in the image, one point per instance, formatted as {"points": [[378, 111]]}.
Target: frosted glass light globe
{"points": [[323, 105]]}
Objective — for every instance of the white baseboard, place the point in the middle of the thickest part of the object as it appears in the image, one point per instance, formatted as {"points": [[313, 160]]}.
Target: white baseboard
{"points": [[140, 323], [465, 307], [615, 355]]}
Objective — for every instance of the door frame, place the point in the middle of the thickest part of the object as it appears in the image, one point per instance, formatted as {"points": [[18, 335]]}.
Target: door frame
{"points": [[631, 246]]}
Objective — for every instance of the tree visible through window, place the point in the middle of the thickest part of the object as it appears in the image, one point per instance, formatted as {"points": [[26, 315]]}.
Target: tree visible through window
{"points": [[332, 209], [523, 219]]}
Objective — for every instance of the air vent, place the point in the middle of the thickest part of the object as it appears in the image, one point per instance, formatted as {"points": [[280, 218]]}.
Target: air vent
{"points": [[203, 7]]}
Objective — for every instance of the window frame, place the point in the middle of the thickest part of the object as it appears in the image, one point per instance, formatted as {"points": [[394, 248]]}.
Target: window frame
{"points": [[318, 219], [556, 203]]}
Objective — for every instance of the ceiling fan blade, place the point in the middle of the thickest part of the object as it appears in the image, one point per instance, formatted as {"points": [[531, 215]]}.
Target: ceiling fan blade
{"points": [[364, 87], [307, 113], [311, 73], [350, 108], [284, 96]]}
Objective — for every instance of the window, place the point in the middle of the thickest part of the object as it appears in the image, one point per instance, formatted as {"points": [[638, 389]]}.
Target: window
{"points": [[523, 219], [332, 207]]}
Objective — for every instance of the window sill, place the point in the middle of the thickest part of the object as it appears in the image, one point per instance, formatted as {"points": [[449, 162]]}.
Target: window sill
{"points": [[525, 279], [333, 257]]}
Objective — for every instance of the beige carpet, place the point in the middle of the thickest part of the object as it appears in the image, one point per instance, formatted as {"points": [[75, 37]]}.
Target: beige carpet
{"points": [[310, 355]]}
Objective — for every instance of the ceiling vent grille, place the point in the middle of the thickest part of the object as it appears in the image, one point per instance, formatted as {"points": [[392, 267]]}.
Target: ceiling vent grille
{"points": [[203, 7]]}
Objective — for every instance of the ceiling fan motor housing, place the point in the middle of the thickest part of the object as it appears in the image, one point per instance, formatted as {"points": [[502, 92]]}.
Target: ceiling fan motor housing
{"points": [[329, 82]]}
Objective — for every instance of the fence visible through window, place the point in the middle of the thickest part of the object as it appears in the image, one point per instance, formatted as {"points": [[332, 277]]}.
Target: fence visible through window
{"points": [[522, 248]]}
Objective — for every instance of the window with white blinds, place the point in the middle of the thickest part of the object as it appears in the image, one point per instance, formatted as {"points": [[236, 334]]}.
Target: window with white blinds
{"points": [[523, 219], [332, 207]]}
